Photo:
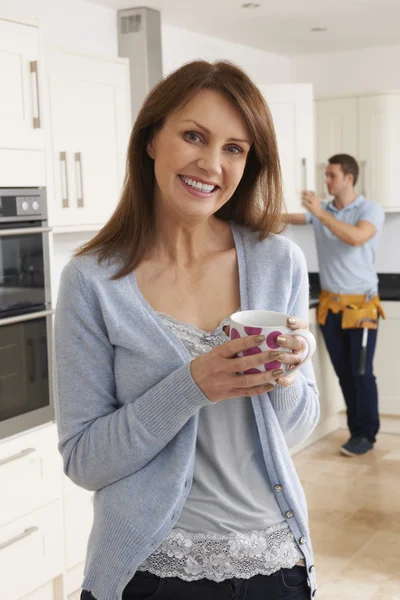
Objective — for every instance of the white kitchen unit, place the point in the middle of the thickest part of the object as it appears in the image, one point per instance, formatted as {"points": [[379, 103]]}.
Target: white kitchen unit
{"points": [[368, 128], [22, 140], [31, 517], [336, 133], [89, 106], [386, 360], [292, 110]]}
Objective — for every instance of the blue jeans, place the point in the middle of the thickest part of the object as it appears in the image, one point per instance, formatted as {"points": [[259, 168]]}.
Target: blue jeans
{"points": [[359, 391], [286, 584]]}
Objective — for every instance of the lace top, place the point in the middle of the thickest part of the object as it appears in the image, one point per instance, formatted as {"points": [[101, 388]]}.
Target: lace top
{"points": [[230, 525]]}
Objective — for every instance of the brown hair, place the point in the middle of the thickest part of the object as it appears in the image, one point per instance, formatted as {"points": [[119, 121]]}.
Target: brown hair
{"points": [[347, 163], [257, 201]]}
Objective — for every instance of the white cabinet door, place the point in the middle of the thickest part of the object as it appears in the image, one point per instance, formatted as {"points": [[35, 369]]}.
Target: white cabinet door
{"points": [[386, 361], [292, 110], [20, 124], [336, 122], [379, 148], [90, 123]]}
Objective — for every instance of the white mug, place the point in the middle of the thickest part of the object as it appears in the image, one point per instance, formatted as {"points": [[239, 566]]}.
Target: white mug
{"points": [[271, 324]]}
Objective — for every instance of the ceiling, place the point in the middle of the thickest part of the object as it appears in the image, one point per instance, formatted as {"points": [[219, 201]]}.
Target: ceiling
{"points": [[283, 26]]}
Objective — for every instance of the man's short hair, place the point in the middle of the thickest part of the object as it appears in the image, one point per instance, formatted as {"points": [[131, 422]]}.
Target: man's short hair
{"points": [[348, 165]]}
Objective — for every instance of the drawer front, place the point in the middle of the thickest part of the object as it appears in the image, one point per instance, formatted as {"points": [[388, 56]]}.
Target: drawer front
{"points": [[31, 551], [30, 473], [45, 592], [78, 519]]}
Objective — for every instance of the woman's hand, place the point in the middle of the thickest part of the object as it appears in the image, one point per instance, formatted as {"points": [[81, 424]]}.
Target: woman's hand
{"points": [[296, 344], [218, 372]]}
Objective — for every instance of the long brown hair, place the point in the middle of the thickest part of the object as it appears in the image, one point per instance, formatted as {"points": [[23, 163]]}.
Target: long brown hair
{"points": [[257, 201]]}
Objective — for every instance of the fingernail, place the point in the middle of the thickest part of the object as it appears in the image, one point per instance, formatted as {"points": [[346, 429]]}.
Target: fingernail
{"points": [[274, 354], [259, 339], [281, 339], [292, 321], [277, 372]]}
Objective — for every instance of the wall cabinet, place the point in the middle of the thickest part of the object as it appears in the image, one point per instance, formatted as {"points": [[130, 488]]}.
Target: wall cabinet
{"points": [[293, 115], [90, 126], [368, 128], [22, 159]]}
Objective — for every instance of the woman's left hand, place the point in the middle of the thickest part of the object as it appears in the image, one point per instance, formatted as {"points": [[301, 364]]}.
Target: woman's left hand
{"points": [[296, 344]]}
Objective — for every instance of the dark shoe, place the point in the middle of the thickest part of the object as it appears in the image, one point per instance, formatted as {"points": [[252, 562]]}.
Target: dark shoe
{"points": [[356, 446]]}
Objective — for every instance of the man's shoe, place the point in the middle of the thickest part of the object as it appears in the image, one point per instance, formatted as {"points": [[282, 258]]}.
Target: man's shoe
{"points": [[356, 446]]}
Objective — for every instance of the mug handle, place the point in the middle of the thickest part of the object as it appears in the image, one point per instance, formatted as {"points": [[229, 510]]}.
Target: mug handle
{"points": [[311, 346]]}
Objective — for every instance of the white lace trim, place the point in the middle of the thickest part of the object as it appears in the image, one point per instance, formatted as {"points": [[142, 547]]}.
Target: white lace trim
{"points": [[211, 556]]}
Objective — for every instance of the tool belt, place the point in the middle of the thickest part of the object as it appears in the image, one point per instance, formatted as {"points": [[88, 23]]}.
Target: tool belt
{"points": [[357, 312]]}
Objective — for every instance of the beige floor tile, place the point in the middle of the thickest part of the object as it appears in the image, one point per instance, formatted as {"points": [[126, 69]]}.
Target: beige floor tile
{"points": [[389, 591], [377, 561]]}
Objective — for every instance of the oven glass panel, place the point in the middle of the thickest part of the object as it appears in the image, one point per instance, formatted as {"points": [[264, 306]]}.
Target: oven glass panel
{"points": [[22, 288], [24, 377]]}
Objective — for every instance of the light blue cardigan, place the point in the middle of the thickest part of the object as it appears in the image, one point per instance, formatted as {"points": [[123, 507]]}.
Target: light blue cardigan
{"points": [[127, 406]]}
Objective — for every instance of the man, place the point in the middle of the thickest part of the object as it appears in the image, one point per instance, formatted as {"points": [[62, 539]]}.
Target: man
{"points": [[346, 232]]}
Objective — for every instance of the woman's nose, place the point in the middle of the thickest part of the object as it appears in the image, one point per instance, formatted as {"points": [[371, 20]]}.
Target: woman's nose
{"points": [[210, 161]]}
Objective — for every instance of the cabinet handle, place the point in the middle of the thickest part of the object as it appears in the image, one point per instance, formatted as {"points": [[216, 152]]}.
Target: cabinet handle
{"points": [[19, 537], [322, 182], [304, 173], [35, 88], [363, 167], [79, 178], [21, 454], [64, 180]]}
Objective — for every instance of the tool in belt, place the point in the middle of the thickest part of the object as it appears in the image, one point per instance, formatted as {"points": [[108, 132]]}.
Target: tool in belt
{"points": [[358, 312]]}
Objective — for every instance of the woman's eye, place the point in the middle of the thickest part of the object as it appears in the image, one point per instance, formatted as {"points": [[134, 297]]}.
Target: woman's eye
{"points": [[192, 136], [234, 150]]}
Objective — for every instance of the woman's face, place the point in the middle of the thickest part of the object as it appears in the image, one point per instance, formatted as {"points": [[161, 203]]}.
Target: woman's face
{"points": [[199, 156]]}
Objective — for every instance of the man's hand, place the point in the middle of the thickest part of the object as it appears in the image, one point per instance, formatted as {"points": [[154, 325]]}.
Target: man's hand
{"points": [[312, 203]]}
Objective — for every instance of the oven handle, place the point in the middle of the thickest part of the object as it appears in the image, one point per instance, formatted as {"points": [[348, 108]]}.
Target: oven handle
{"points": [[27, 231], [28, 317]]}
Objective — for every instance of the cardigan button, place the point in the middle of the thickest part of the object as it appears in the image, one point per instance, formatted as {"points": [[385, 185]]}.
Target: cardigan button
{"points": [[302, 540], [278, 487], [289, 514], [314, 593], [311, 569]]}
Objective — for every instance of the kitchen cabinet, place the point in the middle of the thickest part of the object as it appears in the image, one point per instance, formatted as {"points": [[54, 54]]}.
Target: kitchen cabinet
{"points": [[336, 133], [368, 128], [291, 106], [90, 127], [22, 139], [386, 364]]}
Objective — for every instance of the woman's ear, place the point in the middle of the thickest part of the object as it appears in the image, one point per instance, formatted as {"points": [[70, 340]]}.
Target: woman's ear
{"points": [[150, 149]]}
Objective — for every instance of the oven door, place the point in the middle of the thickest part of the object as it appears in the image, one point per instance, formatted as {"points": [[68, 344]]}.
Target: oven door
{"points": [[23, 268], [25, 384]]}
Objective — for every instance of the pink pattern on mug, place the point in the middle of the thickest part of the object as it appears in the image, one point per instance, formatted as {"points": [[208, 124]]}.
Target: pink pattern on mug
{"points": [[234, 334], [253, 330], [271, 339], [271, 366], [252, 371], [250, 351]]}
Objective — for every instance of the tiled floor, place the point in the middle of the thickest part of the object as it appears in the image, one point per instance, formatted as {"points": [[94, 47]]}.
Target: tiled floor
{"points": [[354, 508]]}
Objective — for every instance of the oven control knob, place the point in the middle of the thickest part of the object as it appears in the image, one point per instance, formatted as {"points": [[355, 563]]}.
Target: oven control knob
{"points": [[35, 205], [25, 205]]}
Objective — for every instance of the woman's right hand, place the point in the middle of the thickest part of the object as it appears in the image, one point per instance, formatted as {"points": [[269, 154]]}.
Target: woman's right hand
{"points": [[218, 373]]}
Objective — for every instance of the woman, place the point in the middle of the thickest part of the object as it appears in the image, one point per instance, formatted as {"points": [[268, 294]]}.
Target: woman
{"points": [[195, 491]]}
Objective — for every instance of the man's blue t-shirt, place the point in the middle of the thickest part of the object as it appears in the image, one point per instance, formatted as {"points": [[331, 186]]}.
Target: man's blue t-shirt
{"points": [[346, 269]]}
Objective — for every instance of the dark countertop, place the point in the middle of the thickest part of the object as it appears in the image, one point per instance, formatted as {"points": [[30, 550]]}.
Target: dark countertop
{"points": [[389, 287]]}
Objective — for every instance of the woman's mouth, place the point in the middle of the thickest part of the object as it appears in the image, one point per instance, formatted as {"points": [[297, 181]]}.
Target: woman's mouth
{"points": [[198, 188]]}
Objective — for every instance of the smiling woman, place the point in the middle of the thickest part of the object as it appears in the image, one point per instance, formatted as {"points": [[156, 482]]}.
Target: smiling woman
{"points": [[183, 439]]}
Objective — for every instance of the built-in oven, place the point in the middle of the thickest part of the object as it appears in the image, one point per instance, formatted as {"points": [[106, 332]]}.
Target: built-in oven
{"points": [[26, 398]]}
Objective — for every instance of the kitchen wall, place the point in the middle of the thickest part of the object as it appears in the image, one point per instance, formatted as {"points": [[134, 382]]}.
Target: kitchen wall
{"points": [[180, 46]]}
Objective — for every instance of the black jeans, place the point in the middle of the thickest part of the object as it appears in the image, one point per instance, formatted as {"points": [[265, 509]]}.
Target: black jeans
{"points": [[286, 584], [359, 391]]}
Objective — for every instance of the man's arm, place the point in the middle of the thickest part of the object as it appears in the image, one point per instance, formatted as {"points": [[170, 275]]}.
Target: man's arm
{"points": [[295, 219], [353, 235]]}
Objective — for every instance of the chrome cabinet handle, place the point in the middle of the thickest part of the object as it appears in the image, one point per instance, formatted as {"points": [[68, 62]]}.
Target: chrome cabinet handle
{"points": [[35, 88], [21, 454], [27, 231], [19, 537], [322, 182], [64, 180], [363, 167], [304, 173], [28, 317], [79, 179]]}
